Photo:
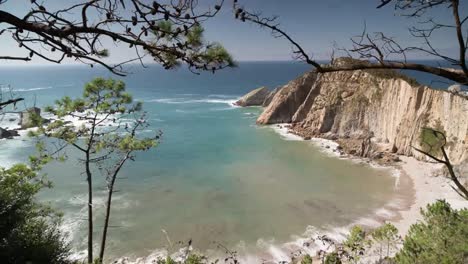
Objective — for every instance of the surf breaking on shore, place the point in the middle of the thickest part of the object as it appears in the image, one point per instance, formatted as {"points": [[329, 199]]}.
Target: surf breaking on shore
{"points": [[401, 210], [312, 240]]}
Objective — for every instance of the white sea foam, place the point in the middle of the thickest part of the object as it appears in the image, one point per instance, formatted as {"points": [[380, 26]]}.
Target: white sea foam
{"points": [[10, 150], [191, 101], [221, 108], [383, 212], [33, 89], [10, 121], [283, 131], [223, 96], [307, 242]]}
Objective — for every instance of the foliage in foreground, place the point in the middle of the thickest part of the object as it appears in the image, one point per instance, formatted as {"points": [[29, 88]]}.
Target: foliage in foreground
{"points": [[29, 230], [106, 140], [441, 238]]}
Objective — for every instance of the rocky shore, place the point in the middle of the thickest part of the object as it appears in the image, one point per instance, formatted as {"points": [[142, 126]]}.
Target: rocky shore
{"points": [[376, 114], [13, 123], [376, 117]]}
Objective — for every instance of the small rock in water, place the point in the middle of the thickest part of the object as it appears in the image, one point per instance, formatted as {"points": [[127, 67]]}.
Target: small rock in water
{"points": [[455, 89], [307, 138]]}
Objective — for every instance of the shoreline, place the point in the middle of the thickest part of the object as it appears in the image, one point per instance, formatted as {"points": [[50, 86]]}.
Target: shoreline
{"points": [[425, 184], [413, 179], [428, 186], [418, 184], [416, 187]]}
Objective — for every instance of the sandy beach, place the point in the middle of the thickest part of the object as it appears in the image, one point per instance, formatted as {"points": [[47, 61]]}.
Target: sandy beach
{"points": [[428, 186], [418, 183]]}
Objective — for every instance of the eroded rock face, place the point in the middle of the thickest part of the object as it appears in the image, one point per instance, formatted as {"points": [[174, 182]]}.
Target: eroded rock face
{"points": [[270, 96], [27, 117], [374, 110], [287, 100], [254, 98]]}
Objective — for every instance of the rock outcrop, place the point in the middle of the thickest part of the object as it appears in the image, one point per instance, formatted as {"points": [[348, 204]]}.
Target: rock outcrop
{"points": [[287, 100], [370, 113], [270, 96], [27, 117], [5, 133], [254, 98]]}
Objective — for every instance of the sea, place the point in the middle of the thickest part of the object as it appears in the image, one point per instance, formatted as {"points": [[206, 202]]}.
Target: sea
{"points": [[216, 179]]}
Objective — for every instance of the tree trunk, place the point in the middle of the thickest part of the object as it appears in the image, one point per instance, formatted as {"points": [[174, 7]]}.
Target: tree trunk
{"points": [[106, 220], [90, 210], [108, 205]]}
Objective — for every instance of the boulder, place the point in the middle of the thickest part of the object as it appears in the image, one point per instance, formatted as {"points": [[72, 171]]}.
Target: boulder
{"points": [[4, 133], [455, 89], [27, 117], [254, 98]]}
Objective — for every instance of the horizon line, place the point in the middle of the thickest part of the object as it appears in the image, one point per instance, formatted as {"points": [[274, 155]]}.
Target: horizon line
{"points": [[26, 64]]}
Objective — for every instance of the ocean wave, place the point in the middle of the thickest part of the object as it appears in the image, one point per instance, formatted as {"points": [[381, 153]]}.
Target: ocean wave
{"points": [[33, 89], [11, 151], [268, 250], [223, 96], [283, 131], [192, 101], [221, 108]]}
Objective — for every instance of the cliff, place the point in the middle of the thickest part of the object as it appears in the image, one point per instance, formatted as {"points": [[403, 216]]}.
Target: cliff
{"points": [[370, 112], [254, 98]]}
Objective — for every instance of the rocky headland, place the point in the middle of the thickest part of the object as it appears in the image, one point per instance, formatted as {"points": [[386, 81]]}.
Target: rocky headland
{"points": [[258, 97], [375, 114]]}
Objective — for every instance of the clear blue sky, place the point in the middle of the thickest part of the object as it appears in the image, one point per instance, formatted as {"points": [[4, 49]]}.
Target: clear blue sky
{"points": [[316, 24]]}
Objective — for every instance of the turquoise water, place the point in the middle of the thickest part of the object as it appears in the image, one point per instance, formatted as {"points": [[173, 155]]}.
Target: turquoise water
{"points": [[216, 176]]}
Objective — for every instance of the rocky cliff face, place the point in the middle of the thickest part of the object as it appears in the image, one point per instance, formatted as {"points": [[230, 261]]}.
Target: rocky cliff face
{"points": [[287, 100], [370, 112], [254, 98]]}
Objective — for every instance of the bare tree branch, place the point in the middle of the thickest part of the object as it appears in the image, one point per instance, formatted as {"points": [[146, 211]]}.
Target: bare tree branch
{"points": [[9, 102], [438, 142], [165, 30], [15, 58], [380, 48]]}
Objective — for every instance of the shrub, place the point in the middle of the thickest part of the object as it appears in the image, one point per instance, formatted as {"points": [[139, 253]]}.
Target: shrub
{"points": [[432, 140], [333, 258], [307, 259], [387, 238], [441, 238], [29, 230], [356, 243]]}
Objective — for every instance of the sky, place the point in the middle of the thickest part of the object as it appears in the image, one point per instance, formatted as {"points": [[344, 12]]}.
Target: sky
{"points": [[316, 24]]}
